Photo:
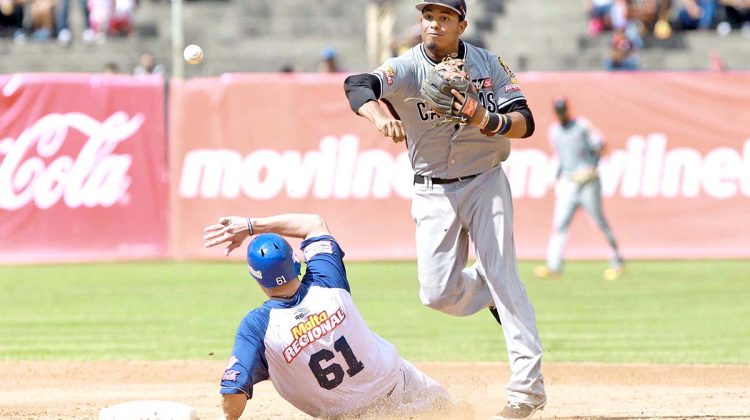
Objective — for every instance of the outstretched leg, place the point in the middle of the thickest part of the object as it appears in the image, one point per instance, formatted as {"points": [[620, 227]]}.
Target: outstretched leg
{"points": [[591, 199], [446, 284]]}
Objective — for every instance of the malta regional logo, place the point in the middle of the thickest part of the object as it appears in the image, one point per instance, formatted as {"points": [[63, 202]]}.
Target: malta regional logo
{"points": [[312, 329]]}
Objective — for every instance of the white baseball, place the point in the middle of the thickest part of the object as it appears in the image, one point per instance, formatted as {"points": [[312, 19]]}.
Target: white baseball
{"points": [[193, 54]]}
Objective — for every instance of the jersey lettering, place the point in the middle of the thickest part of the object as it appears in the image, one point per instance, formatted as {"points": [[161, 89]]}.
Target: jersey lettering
{"points": [[333, 375], [425, 113], [488, 101]]}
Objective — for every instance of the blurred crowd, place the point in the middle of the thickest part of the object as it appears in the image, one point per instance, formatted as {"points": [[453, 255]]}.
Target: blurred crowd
{"points": [[631, 22], [43, 20]]}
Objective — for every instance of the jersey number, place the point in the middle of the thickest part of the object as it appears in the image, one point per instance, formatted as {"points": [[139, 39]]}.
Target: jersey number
{"points": [[331, 376]]}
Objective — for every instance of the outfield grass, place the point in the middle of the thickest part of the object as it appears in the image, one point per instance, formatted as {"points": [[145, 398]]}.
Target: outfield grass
{"points": [[659, 312]]}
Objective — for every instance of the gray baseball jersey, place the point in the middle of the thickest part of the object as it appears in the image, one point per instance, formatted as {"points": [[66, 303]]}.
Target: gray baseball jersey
{"points": [[448, 215], [431, 150], [577, 147]]}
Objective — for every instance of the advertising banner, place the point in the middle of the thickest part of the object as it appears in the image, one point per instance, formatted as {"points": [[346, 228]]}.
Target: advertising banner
{"points": [[676, 174], [83, 170]]}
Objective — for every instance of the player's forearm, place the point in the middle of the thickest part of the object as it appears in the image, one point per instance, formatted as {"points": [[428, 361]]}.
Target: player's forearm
{"points": [[373, 111], [518, 127], [511, 125], [233, 405], [291, 225]]}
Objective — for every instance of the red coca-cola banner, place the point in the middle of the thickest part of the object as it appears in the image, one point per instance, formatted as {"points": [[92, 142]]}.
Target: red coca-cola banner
{"points": [[676, 179], [82, 168]]}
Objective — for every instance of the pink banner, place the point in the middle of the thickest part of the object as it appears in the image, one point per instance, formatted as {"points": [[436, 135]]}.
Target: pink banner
{"points": [[676, 179], [82, 168]]}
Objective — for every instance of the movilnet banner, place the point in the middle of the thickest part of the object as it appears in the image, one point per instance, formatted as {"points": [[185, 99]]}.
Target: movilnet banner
{"points": [[83, 170], [675, 176]]}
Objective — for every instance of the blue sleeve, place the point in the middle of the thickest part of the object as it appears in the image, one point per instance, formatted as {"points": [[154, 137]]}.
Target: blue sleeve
{"points": [[325, 262], [248, 364]]}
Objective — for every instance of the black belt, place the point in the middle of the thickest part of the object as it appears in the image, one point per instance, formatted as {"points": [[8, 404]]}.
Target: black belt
{"points": [[419, 179]]}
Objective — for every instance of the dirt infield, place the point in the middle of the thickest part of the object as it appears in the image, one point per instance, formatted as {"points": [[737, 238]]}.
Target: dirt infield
{"points": [[67, 390]]}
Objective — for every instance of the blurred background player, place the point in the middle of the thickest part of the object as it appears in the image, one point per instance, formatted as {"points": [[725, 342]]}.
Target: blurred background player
{"points": [[578, 185], [309, 338]]}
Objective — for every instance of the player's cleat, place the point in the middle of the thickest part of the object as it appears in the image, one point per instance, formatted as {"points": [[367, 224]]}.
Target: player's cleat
{"points": [[514, 410], [613, 273], [543, 272], [493, 310]]}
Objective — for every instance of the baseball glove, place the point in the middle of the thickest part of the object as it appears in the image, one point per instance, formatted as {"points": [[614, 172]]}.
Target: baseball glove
{"points": [[583, 176], [436, 91]]}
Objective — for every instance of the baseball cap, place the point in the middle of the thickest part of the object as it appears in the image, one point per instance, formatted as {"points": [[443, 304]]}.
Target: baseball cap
{"points": [[458, 6], [560, 103], [272, 261], [328, 53]]}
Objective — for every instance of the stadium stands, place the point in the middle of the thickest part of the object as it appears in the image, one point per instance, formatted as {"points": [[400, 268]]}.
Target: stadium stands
{"points": [[266, 36]]}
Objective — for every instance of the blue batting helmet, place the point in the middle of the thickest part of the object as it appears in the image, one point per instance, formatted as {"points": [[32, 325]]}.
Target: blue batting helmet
{"points": [[272, 261]]}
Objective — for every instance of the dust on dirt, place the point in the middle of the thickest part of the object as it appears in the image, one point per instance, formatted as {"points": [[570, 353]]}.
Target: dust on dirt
{"points": [[79, 389]]}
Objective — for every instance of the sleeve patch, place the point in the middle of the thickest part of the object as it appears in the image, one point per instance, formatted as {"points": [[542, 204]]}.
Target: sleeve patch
{"points": [[387, 73], [513, 85], [320, 247]]}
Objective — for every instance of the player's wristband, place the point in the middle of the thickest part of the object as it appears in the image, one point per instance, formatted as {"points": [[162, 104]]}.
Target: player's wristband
{"points": [[249, 226], [507, 123], [497, 124], [485, 120]]}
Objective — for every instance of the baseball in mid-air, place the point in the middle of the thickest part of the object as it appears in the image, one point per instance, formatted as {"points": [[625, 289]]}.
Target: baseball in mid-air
{"points": [[193, 54]]}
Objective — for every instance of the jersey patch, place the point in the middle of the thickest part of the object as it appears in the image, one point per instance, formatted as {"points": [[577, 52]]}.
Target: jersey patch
{"points": [[230, 375], [513, 85], [482, 83], [311, 330], [387, 73], [319, 247]]}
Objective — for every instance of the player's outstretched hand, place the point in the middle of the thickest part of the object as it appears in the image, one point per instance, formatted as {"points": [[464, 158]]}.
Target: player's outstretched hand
{"points": [[232, 229], [391, 127]]}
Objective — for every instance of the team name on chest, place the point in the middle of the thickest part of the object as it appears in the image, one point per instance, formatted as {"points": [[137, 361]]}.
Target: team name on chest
{"points": [[486, 99]]}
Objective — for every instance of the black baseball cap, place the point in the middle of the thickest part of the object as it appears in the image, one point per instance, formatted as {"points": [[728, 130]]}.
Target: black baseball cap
{"points": [[458, 6], [560, 103]]}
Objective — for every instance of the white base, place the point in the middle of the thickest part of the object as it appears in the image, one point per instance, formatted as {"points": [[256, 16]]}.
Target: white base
{"points": [[148, 410]]}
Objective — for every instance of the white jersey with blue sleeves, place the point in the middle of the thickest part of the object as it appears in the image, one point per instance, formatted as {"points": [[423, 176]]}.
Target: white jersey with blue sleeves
{"points": [[315, 347], [431, 150]]}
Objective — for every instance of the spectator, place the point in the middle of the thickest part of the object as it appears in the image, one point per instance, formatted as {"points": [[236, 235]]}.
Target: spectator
{"points": [[650, 15], [62, 12], [11, 18], [121, 22], [100, 13], [147, 65], [42, 19], [622, 52], [600, 15], [737, 12], [697, 14], [329, 61], [111, 68]]}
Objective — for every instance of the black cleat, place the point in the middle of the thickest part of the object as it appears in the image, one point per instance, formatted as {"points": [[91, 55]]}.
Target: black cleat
{"points": [[493, 310]]}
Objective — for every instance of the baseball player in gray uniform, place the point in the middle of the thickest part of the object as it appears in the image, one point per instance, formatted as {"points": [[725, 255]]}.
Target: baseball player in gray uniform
{"points": [[460, 189], [579, 148]]}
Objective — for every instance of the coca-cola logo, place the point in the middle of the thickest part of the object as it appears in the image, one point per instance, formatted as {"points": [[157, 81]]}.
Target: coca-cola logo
{"points": [[32, 170]]}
